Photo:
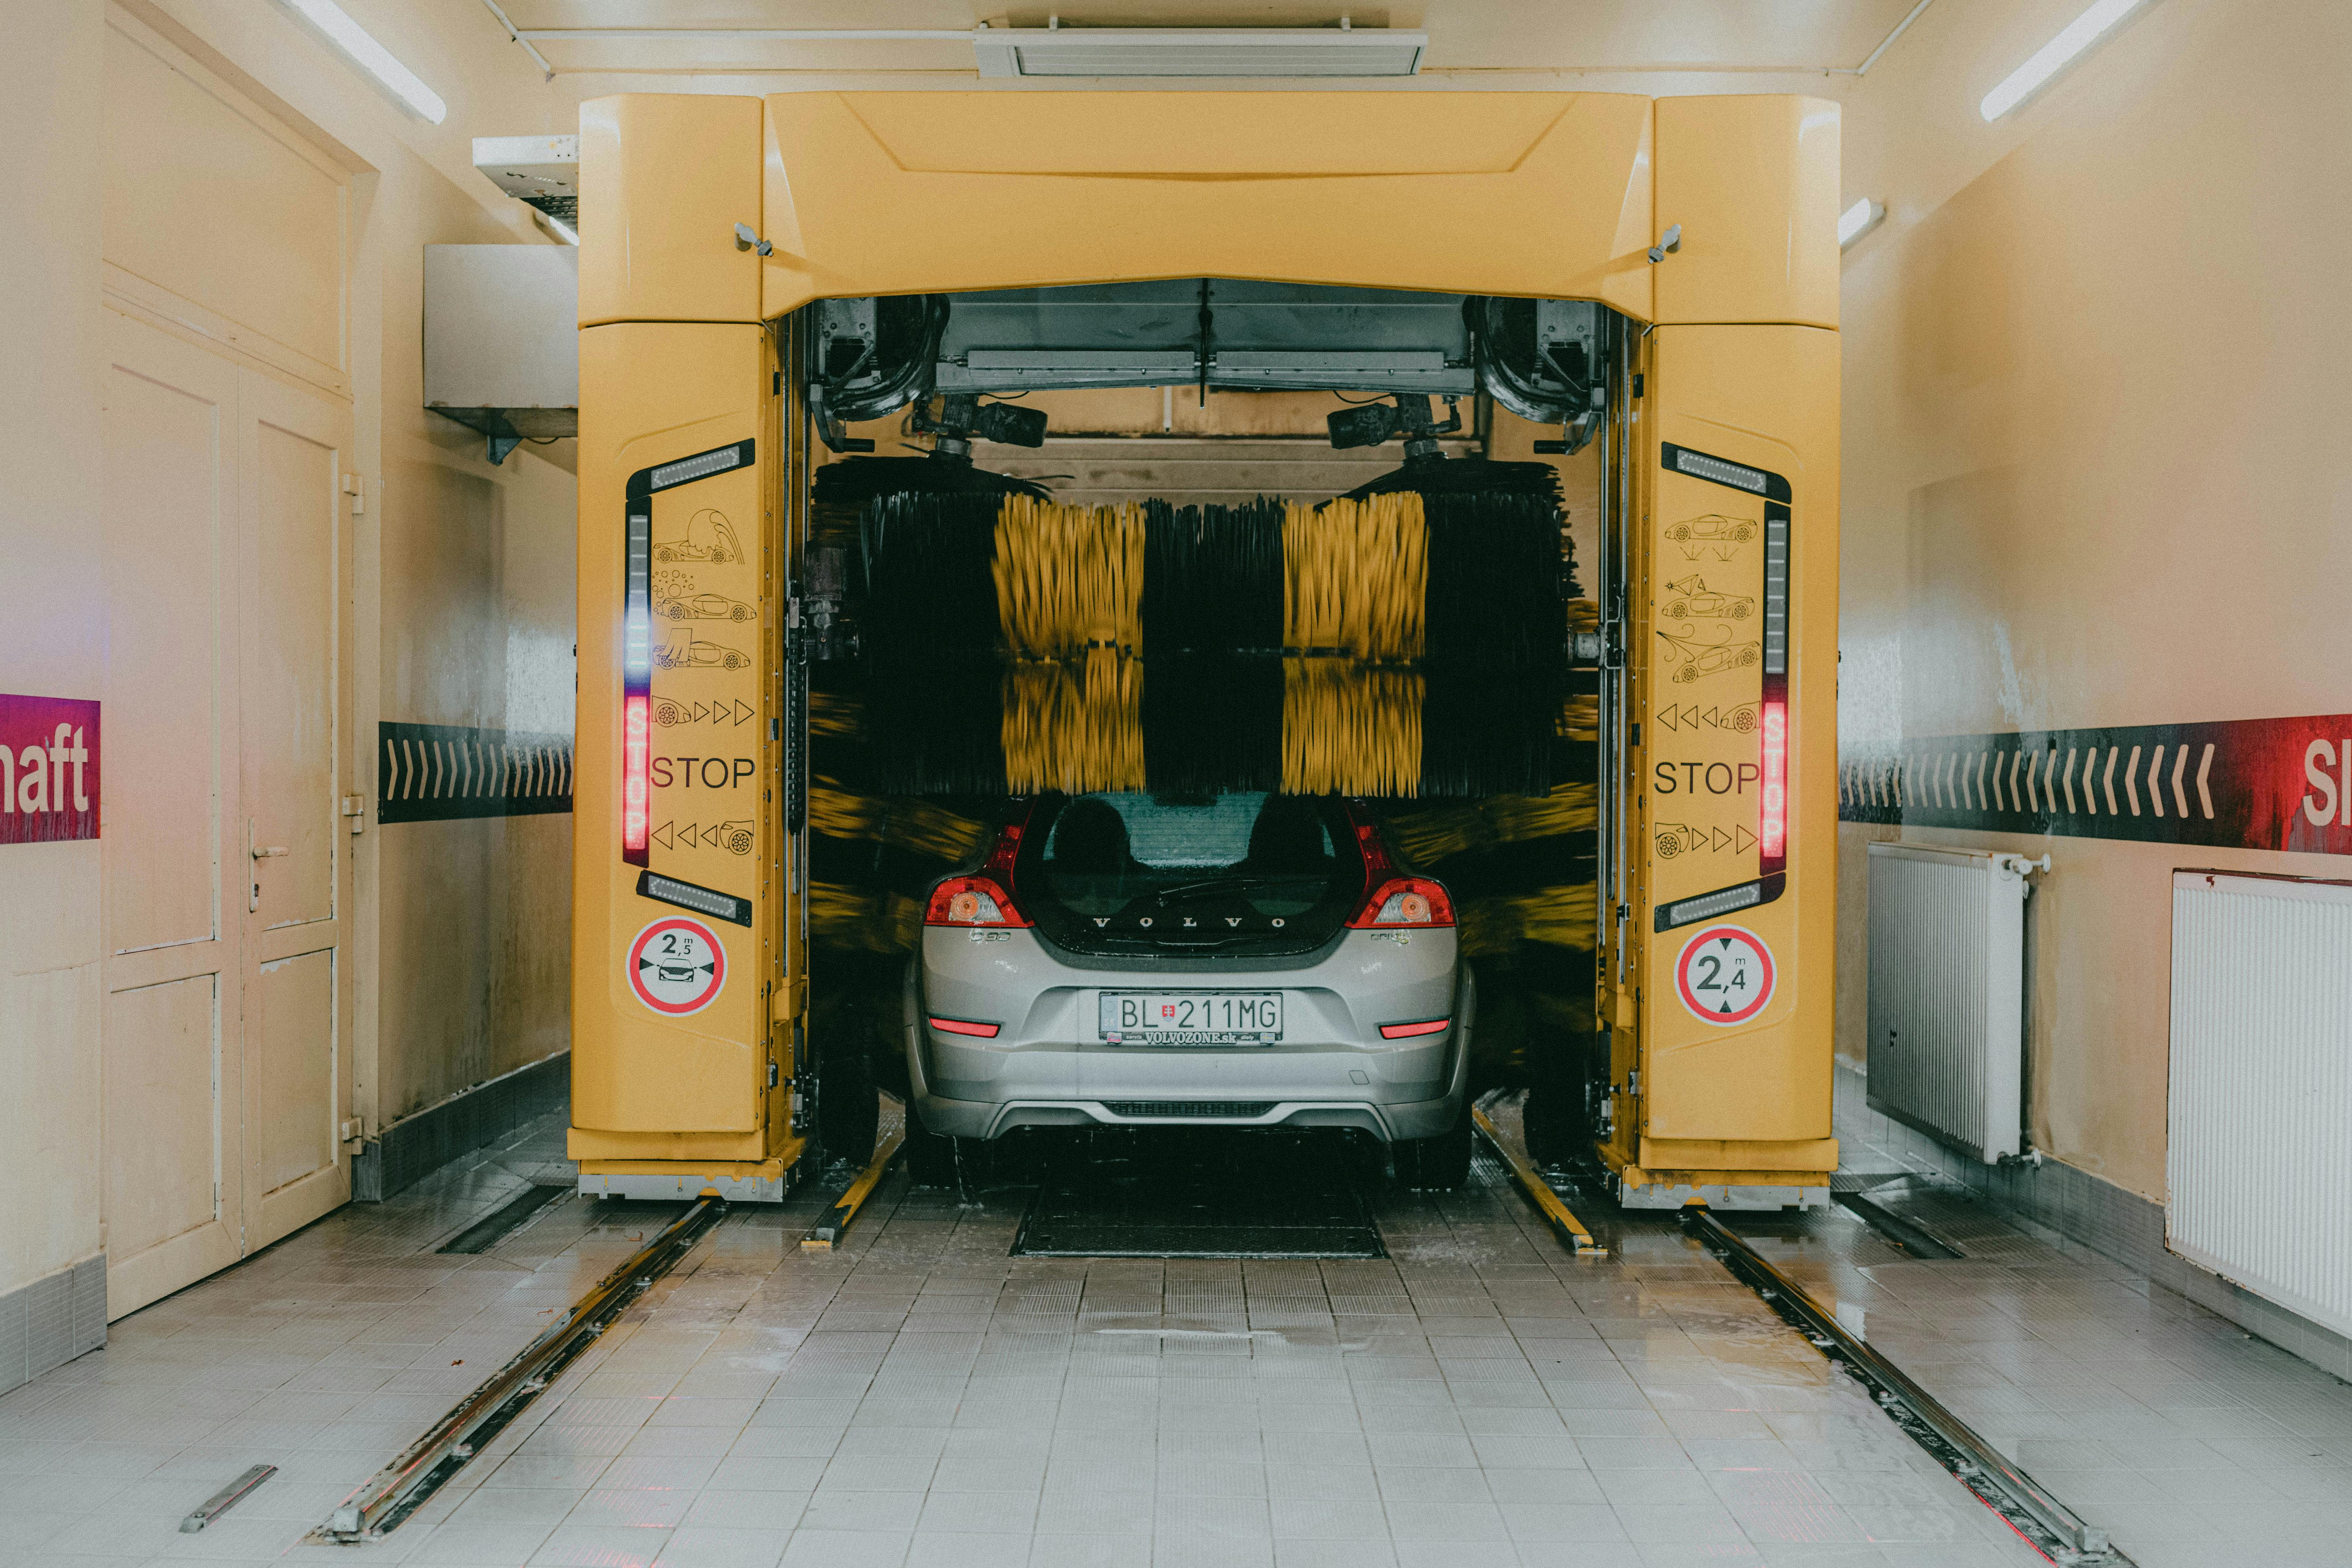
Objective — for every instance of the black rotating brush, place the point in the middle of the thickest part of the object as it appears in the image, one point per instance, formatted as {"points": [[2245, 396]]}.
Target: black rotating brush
{"points": [[1212, 646], [1498, 576], [1213, 578], [930, 642]]}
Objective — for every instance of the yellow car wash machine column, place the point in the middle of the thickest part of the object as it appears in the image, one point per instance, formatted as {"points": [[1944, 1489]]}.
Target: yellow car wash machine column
{"points": [[1720, 980], [681, 1014]]}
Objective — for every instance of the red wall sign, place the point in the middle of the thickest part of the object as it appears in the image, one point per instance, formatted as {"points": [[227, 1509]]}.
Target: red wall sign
{"points": [[2245, 784], [48, 769]]}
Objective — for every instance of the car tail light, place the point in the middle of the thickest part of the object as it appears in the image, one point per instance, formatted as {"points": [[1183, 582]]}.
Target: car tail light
{"points": [[972, 901], [1772, 832], [1390, 899], [1407, 1031], [1405, 901], [984, 899], [966, 1027]]}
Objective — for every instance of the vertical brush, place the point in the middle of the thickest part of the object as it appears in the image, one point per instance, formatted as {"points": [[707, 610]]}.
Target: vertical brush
{"points": [[1213, 578], [1212, 610], [1069, 595], [1068, 578], [1350, 728], [1498, 641], [929, 643], [1073, 726], [1355, 577]]}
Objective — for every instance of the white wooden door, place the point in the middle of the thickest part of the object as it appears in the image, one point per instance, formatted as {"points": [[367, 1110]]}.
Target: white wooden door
{"points": [[173, 1072], [227, 1076], [296, 759]]}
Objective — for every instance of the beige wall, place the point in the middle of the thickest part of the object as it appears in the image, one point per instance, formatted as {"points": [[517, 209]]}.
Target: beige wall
{"points": [[2094, 420], [51, 637], [461, 602]]}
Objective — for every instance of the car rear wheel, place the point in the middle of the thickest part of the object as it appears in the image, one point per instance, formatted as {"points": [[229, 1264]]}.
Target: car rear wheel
{"points": [[930, 1156], [935, 1159], [1442, 1161]]}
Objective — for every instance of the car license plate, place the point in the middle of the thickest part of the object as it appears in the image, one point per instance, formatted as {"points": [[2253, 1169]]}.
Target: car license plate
{"points": [[1191, 1018]]}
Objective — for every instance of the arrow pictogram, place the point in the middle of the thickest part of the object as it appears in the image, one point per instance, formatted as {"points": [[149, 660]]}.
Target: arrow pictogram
{"points": [[661, 834]]}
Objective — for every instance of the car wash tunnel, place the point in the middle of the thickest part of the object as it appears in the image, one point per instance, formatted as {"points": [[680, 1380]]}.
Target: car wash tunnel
{"points": [[1416, 790]]}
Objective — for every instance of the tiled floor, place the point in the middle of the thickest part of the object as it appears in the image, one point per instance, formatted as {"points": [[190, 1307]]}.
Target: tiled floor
{"points": [[2195, 1444], [921, 1399]]}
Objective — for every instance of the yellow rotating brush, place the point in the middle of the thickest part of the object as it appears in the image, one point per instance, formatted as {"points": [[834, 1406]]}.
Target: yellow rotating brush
{"points": [[1074, 728], [1355, 577], [1349, 729], [1069, 597], [1069, 578]]}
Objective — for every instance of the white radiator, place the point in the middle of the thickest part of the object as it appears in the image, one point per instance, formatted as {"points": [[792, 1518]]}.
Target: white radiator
{"points": [[1946, 1047], [2258, 1152]]}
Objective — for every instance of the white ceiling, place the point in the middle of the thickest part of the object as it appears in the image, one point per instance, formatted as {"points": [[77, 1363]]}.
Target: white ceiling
{"points": [[1468, 39]]}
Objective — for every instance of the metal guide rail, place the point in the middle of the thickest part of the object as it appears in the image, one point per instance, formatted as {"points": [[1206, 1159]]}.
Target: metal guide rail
{"points": [[398, 1489], [1563, 1223], [2048, 1525], [828, 1231]]}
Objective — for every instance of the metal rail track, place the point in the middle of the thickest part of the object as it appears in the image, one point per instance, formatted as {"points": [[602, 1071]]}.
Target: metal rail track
{"points": [[2048, 1525], [401, 1488], [827, 1233], [1563, 1223]]}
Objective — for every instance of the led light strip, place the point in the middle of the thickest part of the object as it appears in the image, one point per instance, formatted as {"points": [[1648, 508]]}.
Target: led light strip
{"points": [[1772, 728], [636, 679], [637, 650], [701, 465]]}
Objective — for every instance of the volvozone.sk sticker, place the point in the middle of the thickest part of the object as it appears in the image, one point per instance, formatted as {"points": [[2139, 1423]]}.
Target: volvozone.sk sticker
{"points": [[1725, 974], [677, 967]]}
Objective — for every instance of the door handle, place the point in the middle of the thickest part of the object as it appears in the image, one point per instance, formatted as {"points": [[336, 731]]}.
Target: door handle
{"points": [[264, 854]]}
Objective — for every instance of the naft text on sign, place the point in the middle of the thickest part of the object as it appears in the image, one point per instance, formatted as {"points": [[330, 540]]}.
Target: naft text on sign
{"points": [[48, 769]]}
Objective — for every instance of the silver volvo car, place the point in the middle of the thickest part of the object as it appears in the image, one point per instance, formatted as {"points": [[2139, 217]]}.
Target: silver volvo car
{"points": [[1245, 960]]}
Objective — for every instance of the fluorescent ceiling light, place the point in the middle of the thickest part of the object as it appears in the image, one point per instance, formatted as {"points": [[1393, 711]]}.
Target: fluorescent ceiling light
{"points": [[2054, 56], [1858, 220], [360, 47]]}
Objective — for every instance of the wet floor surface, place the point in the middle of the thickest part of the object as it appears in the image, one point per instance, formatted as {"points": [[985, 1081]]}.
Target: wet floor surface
{"points": [[919, 1397]]}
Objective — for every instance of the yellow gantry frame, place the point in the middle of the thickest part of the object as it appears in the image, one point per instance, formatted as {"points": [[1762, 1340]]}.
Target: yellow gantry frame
{"points": [[1549, 196]]}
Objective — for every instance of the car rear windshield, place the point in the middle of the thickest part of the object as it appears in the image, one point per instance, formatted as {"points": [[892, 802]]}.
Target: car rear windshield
{"points": [[1238, 873]]}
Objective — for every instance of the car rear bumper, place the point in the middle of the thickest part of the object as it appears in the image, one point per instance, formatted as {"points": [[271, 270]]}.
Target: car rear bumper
{"points": [[979, 1091], [1047, 1066]]}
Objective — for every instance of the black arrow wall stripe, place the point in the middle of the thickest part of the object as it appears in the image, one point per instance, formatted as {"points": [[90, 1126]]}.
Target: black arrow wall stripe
{"points": [[435, 772]]}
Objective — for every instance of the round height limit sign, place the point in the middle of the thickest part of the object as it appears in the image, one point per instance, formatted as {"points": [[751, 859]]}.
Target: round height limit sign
{"points": [[677, 967], [1725, 974]]}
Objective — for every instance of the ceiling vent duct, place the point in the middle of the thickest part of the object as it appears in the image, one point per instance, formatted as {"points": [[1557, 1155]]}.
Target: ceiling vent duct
{"points": [[542, 169], [1199, 51]]}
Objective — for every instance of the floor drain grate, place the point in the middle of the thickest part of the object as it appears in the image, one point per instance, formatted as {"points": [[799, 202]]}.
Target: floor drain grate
{"points": [[1198, 1193]]}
